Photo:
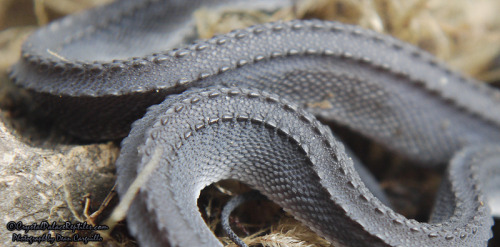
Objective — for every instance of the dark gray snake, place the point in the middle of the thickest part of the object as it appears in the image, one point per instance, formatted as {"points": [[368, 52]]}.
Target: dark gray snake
{"points": [[243, 106]]}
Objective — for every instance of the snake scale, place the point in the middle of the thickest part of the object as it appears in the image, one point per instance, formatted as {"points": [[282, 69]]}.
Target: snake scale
{"points": [[243, 106]]}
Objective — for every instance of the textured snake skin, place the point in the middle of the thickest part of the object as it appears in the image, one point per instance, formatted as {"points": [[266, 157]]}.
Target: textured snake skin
{"points": [[243, 105]]}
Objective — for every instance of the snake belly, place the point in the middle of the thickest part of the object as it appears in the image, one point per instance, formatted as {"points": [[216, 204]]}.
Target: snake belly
{"points": [[243, 105]]}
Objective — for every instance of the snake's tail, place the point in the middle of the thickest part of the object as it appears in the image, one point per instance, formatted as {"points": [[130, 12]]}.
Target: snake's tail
{"points": [[230, 206]]}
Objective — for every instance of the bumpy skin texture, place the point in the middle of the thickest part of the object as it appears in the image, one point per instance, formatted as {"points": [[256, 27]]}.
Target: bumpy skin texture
{"points": [[249, 114]]}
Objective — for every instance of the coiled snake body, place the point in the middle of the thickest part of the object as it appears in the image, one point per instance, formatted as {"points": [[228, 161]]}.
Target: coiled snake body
{"points": [[243, 106]]}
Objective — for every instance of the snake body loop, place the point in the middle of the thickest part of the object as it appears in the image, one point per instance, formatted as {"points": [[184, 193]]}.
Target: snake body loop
{"points": [[243, 105]]}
